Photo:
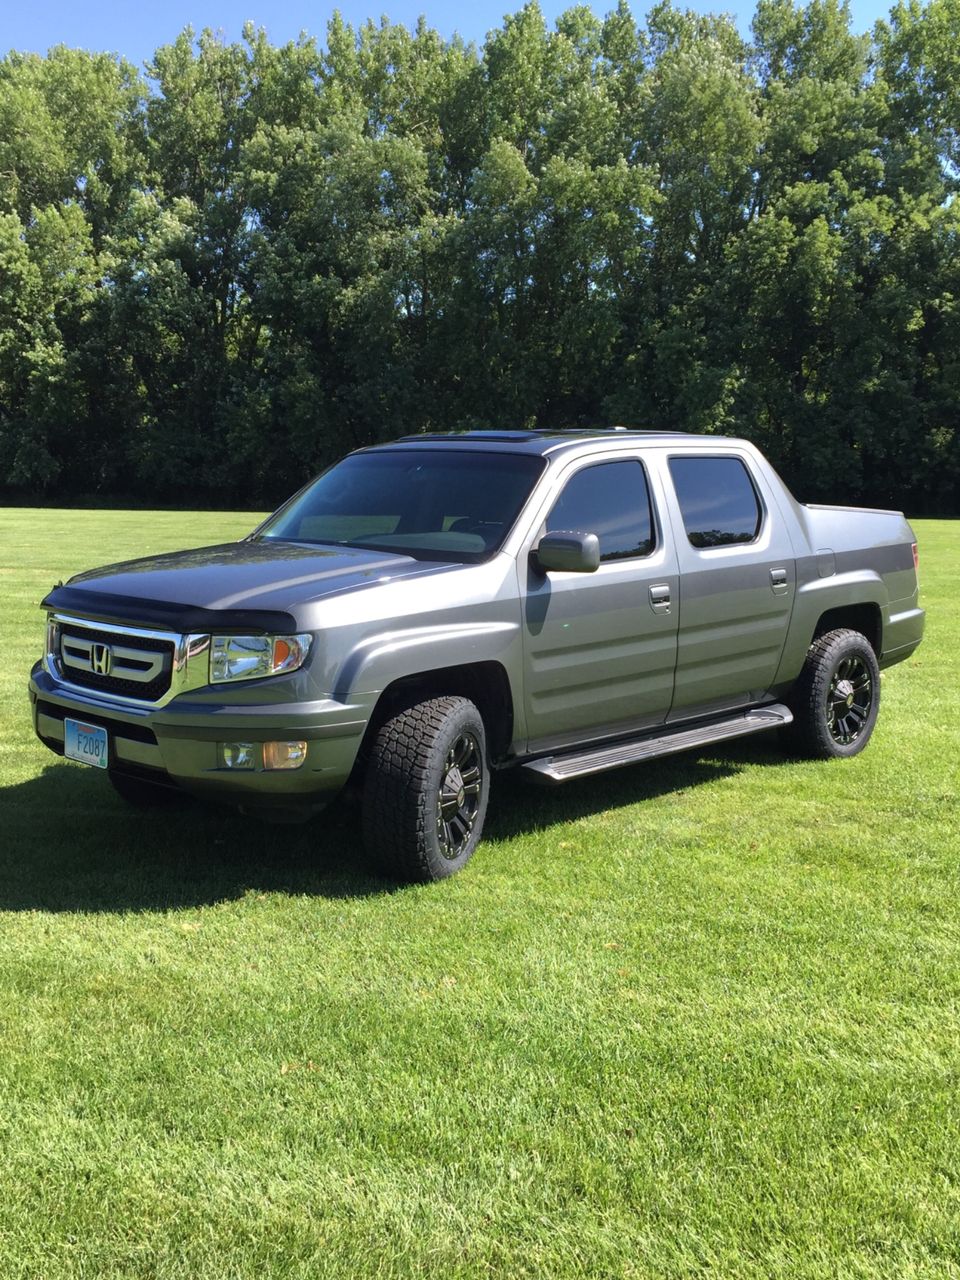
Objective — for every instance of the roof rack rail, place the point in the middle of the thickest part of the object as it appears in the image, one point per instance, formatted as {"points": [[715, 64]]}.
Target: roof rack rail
{"points": [[465, 434], [636, 431], [559, 431]]}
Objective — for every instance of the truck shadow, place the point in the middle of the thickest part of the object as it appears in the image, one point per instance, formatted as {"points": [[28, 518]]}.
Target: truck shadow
{"points": [[68, 843], [519, 806]]}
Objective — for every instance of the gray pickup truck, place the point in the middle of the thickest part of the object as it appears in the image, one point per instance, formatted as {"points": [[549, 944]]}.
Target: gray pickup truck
{"points": [[433, 609]]}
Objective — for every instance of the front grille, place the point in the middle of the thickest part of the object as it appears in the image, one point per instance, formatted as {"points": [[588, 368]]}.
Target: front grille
{"points": [[155, 651]]}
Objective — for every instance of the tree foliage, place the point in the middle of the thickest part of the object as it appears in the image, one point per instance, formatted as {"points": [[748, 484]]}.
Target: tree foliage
{"points": [[217, 276]]}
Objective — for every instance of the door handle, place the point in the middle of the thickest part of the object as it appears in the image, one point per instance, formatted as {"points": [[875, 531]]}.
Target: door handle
{"points": [[778, 582], [660, 597]]}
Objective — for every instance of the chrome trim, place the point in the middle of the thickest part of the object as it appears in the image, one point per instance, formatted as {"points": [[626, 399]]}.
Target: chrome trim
{"points": [[111, 659], [191, 660]]}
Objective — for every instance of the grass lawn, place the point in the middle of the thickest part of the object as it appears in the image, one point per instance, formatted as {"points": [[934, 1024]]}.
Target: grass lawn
{"points": [[696, 1018]]}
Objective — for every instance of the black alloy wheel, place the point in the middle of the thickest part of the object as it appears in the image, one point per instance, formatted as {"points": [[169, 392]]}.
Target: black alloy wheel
{"points": [[426, 789], [458, 798], [849, 700], [836, 698]]}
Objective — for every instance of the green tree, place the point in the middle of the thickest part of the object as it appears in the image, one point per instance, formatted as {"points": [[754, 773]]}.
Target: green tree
{"points": [[219, 276]]}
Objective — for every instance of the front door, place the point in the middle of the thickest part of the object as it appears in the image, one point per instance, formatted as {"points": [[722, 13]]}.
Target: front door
{"points": [[600, 648]]}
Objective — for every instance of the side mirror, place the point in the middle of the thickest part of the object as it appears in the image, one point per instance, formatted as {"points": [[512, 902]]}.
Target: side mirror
{"points": [[568, 552]]}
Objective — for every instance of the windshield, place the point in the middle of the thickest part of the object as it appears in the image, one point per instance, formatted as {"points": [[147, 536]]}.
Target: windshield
{"points": [[432, 504]]}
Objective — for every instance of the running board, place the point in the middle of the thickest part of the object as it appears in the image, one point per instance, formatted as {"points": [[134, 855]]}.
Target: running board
{"points": [[561, 768]]}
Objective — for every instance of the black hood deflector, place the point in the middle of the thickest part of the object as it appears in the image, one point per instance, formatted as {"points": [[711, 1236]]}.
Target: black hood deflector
{"points": [[167, 615]]}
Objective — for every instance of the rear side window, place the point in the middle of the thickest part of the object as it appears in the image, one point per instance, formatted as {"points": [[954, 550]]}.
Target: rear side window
{"points": [[717, 500], [611, 500]]}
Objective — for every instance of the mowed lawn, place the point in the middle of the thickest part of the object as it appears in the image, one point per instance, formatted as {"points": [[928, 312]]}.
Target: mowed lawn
{"points": [[697, 1018]]}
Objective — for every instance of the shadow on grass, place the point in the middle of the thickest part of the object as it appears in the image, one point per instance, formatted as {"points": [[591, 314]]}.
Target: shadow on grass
{"points": [[70, 844], [519, 806]]}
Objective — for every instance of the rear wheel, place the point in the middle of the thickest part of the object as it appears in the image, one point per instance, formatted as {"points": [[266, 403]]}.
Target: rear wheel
{"points": [[837, 697], [140, 792], [426, 790]]}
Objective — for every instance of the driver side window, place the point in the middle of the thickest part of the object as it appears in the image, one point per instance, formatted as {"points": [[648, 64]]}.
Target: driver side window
{"points": [[612, 500]]}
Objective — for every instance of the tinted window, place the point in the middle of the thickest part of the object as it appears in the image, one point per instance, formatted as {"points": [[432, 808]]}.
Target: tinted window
{"points": [[612, 501], [717, 500], [447, 504]]}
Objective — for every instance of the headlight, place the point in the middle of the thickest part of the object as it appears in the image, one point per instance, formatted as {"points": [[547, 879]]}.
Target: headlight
{"points": [[251, 657]]}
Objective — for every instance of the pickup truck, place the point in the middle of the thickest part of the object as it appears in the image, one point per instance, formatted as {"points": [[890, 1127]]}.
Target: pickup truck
{"points": [[433, 609]]}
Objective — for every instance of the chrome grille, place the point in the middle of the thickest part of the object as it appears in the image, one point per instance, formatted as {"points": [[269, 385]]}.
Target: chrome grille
{"points": [[117, 662]]}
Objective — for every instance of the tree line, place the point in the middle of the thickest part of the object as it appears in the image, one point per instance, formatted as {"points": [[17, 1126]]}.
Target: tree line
{"points": [[218, 275]]}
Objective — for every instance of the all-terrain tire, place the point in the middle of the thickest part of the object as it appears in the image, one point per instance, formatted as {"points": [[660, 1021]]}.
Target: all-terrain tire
{"points": [[836, 699], [426, 790], [140, 792]]}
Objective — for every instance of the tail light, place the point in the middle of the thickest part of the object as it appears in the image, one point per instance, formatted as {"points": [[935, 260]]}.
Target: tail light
{"points": [[916, 557]]}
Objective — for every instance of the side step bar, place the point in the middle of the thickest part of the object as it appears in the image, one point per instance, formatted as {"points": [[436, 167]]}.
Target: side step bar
{"points": [[580, 764]]}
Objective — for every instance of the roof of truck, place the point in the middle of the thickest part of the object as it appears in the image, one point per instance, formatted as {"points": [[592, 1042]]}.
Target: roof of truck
{"points": [[536, 442]]}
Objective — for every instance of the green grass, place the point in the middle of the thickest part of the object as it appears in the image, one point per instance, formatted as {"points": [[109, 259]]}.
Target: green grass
{"points": [[699, 1018]]}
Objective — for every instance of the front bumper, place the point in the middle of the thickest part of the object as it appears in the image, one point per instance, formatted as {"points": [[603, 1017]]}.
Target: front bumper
{"points": [[179, 742]]}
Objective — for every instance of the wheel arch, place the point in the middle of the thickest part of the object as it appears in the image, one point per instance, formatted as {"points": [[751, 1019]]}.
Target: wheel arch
{"points": [[865, 618], [486, 684]]}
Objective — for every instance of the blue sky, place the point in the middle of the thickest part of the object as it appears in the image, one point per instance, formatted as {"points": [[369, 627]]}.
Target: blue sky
{"points": [[136, 29]]}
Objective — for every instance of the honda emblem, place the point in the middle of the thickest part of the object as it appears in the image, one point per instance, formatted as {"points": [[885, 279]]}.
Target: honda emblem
{"points": [[100, 659]]}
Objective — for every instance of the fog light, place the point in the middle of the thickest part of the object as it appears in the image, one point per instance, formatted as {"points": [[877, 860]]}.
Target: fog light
{"points": [[238, 755], [284, 755]]}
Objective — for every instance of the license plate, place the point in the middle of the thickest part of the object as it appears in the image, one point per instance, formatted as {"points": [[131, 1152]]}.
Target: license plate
{"points": [[85, 742]]}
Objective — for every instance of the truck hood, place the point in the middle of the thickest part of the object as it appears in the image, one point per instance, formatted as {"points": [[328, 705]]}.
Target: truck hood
{"points": [[254, 584]]}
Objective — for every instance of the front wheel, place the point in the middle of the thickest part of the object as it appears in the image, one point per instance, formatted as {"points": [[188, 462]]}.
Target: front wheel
{"points": [[837, 697], [426, 789]]}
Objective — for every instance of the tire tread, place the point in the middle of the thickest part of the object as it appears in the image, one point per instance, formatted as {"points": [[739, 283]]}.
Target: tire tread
{"points": [[396, 823], [809, 735]]}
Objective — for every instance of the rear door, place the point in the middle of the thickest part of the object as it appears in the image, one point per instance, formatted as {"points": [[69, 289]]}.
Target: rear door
{"points": [[737, 581], [600, 648]]}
